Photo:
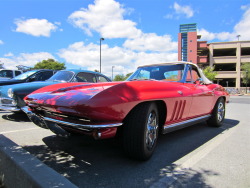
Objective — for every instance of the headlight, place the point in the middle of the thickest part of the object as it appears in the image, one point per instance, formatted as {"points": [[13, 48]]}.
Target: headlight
{"points": [[10, 93]]}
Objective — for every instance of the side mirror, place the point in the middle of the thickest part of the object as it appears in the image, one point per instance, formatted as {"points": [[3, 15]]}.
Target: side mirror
{"points": [[198, 81]]}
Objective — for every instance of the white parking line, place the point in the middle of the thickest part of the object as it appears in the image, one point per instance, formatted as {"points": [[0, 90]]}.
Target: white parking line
{"points": [[7, 132], [189, 160]]}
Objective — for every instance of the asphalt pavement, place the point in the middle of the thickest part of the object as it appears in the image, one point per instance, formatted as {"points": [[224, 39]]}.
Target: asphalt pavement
{"points": [[197, 156]]}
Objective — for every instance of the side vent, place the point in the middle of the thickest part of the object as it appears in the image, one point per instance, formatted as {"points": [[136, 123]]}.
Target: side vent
{"points": [[179, 107]]}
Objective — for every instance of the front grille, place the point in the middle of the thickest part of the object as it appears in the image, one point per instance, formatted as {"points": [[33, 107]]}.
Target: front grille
{"points": [[64, 117], [6, 101]]}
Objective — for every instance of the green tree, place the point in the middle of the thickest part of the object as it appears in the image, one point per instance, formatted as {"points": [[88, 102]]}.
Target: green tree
{"points": [[119, 77], [128, 75], [50, 64], [246, 72], [210, 73]]}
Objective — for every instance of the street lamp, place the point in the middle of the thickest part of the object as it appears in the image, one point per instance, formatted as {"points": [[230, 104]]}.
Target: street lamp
{"points": [[101, 54], [112, 71], [238, 36], [246, 80]]}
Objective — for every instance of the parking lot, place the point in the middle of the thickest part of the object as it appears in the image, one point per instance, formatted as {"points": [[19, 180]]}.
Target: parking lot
{"points": [[196, 156]]}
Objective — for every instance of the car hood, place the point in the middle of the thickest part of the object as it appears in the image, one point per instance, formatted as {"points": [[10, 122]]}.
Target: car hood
{"points": [[10, 82], [79, 99], [23, 89], [65, 96]]}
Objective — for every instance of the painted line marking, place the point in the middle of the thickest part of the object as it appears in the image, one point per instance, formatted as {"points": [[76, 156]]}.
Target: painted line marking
{"points": [[7, 132], [189, 160]]}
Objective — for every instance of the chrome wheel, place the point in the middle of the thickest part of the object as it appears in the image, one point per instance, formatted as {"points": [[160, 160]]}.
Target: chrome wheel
{"points": [[221, 111], [151, 130]]}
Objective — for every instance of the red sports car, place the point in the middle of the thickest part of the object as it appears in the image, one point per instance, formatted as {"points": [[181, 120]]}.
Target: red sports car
{"points": [[157, 98]]}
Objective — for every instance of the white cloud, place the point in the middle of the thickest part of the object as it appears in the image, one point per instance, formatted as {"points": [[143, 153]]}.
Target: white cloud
{"points": [[105, 17], [187, 11], [8, 54], [151, 42], [35, 27], [1, 42], [242, 28], [25, 59], [124, 60]]}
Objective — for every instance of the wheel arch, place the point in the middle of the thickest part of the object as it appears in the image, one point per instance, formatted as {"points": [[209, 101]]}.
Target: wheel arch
{"points": [[162, 110]]}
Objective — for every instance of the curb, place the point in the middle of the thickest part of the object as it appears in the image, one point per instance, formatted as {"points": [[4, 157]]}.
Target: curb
{"points": [[18, 168]]}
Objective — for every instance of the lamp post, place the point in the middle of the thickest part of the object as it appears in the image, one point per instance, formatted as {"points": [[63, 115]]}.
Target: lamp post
{"points": [[246, 80], [101, 54], [238, 36], [112, 71]]}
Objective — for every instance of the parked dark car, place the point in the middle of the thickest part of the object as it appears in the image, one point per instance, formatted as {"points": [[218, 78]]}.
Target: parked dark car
{"points": [[11, 97], [30, 76]]}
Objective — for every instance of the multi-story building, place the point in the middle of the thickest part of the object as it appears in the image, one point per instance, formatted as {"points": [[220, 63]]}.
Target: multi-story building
{"points": [[226, 57], [189, 49]]}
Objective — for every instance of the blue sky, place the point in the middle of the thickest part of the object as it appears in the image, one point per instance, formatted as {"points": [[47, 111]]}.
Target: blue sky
{"points": [[136, 32]]}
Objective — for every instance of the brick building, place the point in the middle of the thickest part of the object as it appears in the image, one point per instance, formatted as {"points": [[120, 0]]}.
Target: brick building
{"points": [[227, 57]]}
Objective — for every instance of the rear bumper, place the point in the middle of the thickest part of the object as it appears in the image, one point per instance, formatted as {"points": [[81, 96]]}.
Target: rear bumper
{"points": [[54, 125]]}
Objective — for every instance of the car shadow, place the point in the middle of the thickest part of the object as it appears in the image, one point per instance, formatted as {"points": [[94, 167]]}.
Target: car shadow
{"points": [[101, 163], [17, 117]]}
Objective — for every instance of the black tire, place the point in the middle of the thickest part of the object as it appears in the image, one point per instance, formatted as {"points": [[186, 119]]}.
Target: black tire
{"points": [[218, 114], [140, 131]]}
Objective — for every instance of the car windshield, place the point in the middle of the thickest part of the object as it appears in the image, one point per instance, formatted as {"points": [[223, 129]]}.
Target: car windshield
{"points": [[25, 75], [171, 72], [61, 76]]}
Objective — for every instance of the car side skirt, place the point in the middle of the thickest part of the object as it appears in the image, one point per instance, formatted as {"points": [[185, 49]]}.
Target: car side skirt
{"points": [[175, 126]]}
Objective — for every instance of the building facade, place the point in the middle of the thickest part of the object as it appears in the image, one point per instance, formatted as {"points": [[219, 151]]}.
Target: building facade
{"points": [[226, 57]]}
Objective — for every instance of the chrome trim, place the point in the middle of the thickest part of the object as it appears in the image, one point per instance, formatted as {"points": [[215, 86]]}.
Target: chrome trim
{"points": [[81, 126], [10, 108], [175, 126]]}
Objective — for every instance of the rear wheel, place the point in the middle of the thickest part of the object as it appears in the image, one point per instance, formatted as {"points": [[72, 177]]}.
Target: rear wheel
{"points": [[140, 131], [218, 114]]}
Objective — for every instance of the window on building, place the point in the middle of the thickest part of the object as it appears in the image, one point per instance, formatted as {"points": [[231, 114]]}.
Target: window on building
{"points": [[245, 51], [225, 67], [224, 52]]}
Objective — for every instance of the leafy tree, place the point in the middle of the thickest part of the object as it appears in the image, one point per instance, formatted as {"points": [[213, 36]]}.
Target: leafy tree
{"points": [[50, 64], [210, 73], [128, 75], [246, 72], [119, 77]]}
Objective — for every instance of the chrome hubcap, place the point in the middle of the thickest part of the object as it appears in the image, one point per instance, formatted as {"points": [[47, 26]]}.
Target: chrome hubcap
{"points": [[221, 112], [151, 130]]}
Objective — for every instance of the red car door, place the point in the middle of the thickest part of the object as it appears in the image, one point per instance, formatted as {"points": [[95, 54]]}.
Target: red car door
{"points": [[202, 96]]}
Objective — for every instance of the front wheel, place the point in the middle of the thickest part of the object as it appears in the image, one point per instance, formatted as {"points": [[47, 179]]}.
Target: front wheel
{"points": [[140, 131], [218, 114]]}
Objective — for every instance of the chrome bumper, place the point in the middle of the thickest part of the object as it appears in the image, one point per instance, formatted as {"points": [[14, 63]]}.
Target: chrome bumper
{"points": [[10, 108], [7, 105], [44, 122]]}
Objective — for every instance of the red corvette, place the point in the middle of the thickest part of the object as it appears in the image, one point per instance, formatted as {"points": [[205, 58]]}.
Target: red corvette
{"points": [[157, 98]]}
